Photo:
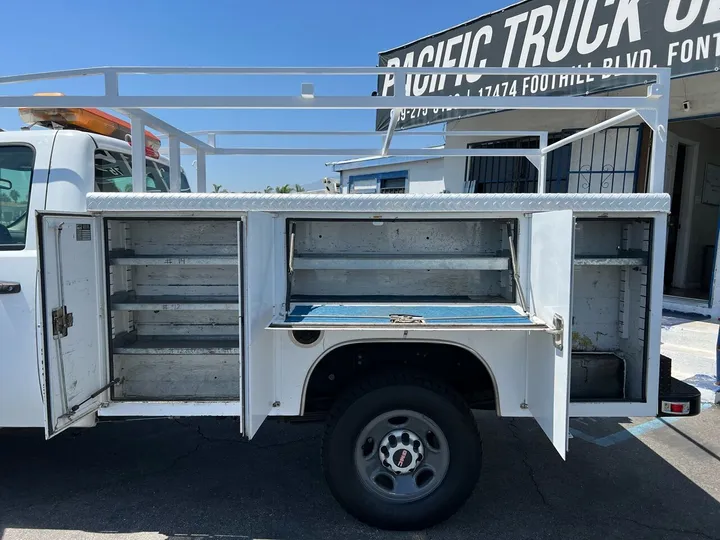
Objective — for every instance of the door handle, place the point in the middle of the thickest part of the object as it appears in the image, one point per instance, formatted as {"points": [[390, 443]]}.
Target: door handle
{"points": [[9, 287]]}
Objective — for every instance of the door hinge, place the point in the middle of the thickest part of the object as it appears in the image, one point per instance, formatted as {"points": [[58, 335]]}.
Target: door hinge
{"points": [[61, 321]]}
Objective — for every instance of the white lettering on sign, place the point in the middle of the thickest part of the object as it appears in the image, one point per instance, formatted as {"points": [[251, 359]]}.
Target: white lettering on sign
{"points": [[463, 56], [389, 80], [438, 62], [713, 12], [418, 88], [627, 14], [409, 62], [512, 23], [553, 54], [696, 49], [534, 36], [485, 32], [584, 46], [673, 23], [448, 60]]}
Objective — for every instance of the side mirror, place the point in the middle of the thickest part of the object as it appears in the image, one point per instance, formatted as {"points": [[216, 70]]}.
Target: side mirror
{"points": [[5, 184]]}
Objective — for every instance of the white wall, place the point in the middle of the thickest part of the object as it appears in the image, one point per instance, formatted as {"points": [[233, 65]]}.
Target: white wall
{"points": [[423, 176]]}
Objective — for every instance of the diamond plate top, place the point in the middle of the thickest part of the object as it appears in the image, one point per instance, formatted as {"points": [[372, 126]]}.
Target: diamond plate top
{"points": [[398, 203]]}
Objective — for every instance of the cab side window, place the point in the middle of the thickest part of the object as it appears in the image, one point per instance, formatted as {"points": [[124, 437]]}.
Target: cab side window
{"points": [[113, 173], [16, 167]]}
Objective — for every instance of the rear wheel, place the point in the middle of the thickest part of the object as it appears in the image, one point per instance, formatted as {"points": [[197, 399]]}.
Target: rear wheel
{"points": [[401, 452]]}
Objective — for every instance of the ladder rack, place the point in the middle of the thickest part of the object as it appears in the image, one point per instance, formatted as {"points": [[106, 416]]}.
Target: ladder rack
{"points": [[653, 108]]}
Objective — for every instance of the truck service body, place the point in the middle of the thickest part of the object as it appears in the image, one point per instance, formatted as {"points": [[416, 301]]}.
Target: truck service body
{"points": [[389, 316]]}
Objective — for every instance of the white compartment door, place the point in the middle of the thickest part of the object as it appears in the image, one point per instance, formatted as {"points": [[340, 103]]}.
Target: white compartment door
{"points": [[75, 372], [551, 278], [263, 263]]}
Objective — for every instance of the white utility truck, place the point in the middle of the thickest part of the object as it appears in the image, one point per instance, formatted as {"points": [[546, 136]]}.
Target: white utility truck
{"points": [[391, 317]]}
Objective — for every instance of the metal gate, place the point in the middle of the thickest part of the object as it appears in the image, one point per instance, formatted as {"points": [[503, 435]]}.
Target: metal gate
{"points": [[606, 162]]}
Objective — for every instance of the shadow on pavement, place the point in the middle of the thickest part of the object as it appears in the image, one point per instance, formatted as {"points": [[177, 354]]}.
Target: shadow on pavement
{"points": [[674, 318], [194, 478]]}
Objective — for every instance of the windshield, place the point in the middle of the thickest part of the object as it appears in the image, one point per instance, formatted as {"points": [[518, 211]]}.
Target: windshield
{"points": [[113, 173]]}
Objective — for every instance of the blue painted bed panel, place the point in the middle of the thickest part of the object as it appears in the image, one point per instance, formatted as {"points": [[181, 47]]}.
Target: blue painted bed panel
{"points": [[334, 314]]}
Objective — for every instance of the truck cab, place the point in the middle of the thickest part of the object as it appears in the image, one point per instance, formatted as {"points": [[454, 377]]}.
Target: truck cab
{"points": [[47, 170]]}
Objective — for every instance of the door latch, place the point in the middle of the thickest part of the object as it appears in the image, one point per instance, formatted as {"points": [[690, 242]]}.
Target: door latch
{"points": [[406, 319], [61, 321], [9, 287], [557, 331]]}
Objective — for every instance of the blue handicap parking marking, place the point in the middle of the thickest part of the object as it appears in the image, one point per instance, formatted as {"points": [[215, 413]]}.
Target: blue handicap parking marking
{"points": [[704, 382], [628, 433]]}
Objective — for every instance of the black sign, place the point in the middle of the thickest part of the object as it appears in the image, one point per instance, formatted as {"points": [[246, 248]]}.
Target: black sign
{"points": [[681, 34]]}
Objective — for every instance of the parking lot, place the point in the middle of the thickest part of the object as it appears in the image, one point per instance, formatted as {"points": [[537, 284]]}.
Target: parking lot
{"points": [[181, 480]]}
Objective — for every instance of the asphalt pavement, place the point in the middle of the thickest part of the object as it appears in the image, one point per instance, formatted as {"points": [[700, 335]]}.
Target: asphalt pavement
{"points": [[183, 480]]}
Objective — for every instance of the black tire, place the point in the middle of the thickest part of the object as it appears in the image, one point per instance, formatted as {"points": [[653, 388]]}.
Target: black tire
{"points": [[398, 391]]}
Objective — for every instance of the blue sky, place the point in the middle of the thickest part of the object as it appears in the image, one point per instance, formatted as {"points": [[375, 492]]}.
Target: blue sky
{"points": [[55, 34]]}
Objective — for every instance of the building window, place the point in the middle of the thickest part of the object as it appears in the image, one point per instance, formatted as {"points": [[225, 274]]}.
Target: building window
{"points": [[392, 185], [384, 182], [16, 168]]}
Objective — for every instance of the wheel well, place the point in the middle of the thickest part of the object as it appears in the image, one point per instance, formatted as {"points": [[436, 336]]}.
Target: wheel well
{"points": [[454, 365]]}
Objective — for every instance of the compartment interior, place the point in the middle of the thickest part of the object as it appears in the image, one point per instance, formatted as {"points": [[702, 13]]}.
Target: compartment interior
{"points": [[610, 309], [400, 261], [173, 289]]}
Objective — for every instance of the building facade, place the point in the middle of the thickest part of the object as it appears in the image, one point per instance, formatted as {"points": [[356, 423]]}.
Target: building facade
{"points": [[391, 175], [681, 34]]}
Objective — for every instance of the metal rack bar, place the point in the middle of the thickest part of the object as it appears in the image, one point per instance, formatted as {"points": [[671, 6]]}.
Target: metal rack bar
{"points": [[653, 108]]}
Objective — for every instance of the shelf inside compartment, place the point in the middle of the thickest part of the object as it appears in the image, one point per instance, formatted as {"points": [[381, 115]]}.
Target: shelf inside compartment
{"points": [[131, 259], [402, 316], [132, 302], [628, 258], [378, 261], [131, 343], [610, 261]]}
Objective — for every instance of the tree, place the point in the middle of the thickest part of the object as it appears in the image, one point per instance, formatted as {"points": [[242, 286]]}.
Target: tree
{"points": [[283, 189], [14, 195], [269, 189], [299, 188], [217, 188]]}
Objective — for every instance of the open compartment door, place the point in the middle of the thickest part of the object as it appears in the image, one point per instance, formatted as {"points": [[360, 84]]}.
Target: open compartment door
{"points": [[74, 319], [551, 277], [261, 259]]}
